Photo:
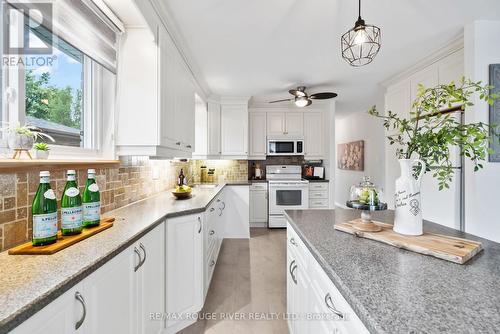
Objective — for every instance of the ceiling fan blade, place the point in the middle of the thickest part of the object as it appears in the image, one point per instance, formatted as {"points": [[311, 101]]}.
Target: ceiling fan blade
{"points": [[281, 100], [323, 96]]}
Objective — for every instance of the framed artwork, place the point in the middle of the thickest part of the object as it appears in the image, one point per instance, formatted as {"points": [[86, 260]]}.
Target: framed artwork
{"points": [[495, 110], [351, 156]]}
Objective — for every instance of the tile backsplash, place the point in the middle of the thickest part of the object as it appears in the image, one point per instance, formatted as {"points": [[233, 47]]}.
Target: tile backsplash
{"points": [[119, 186]]}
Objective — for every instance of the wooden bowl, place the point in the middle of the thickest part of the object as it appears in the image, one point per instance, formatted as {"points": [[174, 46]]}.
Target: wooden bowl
{"points": [[182, 195]]}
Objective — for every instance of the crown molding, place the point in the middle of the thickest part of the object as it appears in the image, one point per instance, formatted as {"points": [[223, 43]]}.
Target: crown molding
{"points": [[454, 45], [168, 21]]}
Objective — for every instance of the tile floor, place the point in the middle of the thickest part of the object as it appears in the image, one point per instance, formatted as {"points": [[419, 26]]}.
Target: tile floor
{"points": [[250, 277]]}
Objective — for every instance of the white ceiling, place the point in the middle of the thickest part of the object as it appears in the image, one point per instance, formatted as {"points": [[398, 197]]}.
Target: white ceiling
{"points": [[261, 48]]}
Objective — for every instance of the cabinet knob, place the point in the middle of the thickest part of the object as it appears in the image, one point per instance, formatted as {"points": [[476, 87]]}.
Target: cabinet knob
{"points": [[79, 297], [189, 146], [212, 263], [178, 143], [212, 232]]}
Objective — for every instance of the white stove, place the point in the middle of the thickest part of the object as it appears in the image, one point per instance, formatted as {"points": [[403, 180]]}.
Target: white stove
{"points": [[287, 191]]}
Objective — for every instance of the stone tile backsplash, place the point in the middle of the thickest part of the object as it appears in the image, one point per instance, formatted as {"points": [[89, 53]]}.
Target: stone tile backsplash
{"points": [[128, 183]]}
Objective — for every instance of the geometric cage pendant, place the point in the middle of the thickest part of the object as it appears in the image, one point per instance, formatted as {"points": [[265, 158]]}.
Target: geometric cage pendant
{"points": [[361, 44]]}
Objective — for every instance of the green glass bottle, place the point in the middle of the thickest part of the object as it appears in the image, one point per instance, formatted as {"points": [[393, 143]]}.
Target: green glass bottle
{"points": [[91, 201], [44, 211], [71, 207]]}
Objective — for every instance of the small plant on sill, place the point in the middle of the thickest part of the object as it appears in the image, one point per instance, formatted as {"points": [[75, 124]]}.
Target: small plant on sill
{"points": [[22, 138], [41, 147], [430, 131]]}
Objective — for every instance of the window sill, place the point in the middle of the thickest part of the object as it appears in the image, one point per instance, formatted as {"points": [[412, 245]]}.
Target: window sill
{"points": [[18, 165]]}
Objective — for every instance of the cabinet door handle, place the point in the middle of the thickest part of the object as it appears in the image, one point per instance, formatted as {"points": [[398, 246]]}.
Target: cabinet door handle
{"points": [[140, 259], [331, 306], [290, 270], [79, 297], [293, 242], [144, 251], [199, 221], [212, 232], [293, 274], [224, 205]]}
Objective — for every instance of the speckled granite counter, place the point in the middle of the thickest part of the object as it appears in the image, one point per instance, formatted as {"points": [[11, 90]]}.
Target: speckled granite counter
{"points": [[29, 282], [397, 291]]}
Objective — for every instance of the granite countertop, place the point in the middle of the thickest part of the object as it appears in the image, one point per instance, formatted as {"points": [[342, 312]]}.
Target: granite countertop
{"points": [[29, 282], [398, 291]]}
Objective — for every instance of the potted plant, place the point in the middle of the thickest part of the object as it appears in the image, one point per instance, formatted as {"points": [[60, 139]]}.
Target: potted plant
{"points": [[426, 138], [41, 150], [22, 138]]}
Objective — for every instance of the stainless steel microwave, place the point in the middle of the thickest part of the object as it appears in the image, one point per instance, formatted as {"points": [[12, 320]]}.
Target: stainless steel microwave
{"points": [[285, 147]]}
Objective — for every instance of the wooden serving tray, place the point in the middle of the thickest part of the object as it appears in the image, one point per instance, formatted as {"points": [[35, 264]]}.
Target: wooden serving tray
{"points": [[62, 241], [444, 247]]}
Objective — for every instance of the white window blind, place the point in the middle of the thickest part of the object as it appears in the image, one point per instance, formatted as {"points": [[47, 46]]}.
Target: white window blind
{"points": [[80, 23]]}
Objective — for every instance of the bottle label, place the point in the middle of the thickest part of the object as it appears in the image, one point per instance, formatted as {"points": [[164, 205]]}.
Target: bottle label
{"points": [[91, 211], [94, 187], [72, 192], [45, 225], [71, 217], [49, 194]]}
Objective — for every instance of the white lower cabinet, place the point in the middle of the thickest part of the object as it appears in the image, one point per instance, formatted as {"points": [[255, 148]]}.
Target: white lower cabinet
{"points": [[59, 317], [258, 203], [314, 303], [184, 253]]}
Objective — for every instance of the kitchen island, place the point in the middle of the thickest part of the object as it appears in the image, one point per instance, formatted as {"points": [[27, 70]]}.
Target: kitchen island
{"points": [[397, 291]]}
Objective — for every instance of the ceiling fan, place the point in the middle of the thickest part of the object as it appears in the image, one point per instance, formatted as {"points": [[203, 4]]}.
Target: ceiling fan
{"points": [[301, 99]]}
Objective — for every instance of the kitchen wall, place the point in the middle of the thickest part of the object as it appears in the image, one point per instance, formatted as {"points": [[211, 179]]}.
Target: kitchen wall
{"points": [[130, 182], [353, 127], [481, 48], [225, 170]]}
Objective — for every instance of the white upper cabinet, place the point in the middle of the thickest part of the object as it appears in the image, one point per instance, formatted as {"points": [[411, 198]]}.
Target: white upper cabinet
{"points": [[234, 131], [275, 124], [294, 124], [214, 129], [257, 128], [314, 139], [285, 124], [428, 77], [451, 68], [156, 96]]}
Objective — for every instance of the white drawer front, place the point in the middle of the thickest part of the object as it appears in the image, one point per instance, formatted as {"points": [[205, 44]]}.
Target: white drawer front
{"points": [[318, 185], [318, 194], [323, 284], [258, 186], [318, 203]]}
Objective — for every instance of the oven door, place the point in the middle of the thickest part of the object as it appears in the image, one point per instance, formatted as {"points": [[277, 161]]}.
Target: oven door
{"points": [[281, 147], [287, 196]]}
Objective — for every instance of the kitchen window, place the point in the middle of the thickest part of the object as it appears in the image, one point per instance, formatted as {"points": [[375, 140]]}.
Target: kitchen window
{"points": [[68, 91]]}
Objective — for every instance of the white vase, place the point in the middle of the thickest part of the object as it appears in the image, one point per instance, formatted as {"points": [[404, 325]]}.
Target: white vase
{"points": [[408, 214], [42, 155]]}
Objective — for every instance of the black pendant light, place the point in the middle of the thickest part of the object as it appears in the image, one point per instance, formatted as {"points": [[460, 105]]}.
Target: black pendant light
{"points": [[361, 44]]}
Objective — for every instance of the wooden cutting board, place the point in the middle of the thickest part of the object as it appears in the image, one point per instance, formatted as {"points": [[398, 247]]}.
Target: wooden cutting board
{"points": [[62, 241], [444, 247]]}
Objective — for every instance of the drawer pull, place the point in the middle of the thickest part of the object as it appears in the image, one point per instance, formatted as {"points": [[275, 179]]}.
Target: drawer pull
{"points": [[79, 297], [136, 251], [291, 270], [144, 251], [331, 306]]}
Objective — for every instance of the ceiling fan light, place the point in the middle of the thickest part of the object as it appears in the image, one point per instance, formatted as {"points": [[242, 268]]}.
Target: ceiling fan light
{"points": [[301, 101]]}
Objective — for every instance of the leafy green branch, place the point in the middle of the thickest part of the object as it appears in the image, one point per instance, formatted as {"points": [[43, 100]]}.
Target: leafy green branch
{"points": [[432, 130]]}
